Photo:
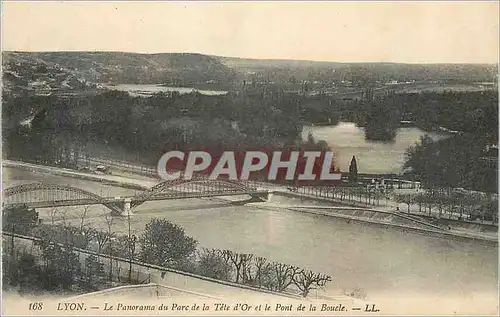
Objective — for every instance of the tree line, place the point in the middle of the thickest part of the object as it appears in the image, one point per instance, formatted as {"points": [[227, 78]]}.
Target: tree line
{"points": [[453, 204], [461, 161], [162, 243], [61, 126]]}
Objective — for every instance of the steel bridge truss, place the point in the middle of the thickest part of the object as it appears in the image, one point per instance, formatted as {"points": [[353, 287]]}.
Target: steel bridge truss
{"points": [[56, 195], [196, 187], [41, 195]]}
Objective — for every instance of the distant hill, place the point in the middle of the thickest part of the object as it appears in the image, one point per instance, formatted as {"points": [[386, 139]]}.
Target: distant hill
{"points": [[283, 70], [78, 69], [134, 68], [238, 63]]}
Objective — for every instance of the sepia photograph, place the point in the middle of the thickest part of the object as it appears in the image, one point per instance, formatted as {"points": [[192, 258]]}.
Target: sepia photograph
{"points": [[249, 158]]}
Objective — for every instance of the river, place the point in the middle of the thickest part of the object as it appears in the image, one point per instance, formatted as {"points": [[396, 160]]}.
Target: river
{"points": [[382, 261], [346, 140]]}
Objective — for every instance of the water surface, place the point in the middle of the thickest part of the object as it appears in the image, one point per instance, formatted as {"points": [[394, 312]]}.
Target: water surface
{"points": [[379, 260], [346, 140]]}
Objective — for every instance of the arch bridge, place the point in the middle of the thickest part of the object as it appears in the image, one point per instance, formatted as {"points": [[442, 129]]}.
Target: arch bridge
{"points": [[42, 195]]}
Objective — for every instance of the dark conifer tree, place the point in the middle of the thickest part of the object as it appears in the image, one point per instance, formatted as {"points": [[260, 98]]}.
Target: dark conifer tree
{"points": [[353, 170]]}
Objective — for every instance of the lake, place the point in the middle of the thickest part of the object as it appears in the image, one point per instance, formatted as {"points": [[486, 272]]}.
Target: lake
{"points": [[147, 90], [346, 140]]}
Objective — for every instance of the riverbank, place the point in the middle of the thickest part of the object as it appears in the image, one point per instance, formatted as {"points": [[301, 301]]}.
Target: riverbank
{"points": [[385, 262], [374, 219], [383, 216], [342, 209]]}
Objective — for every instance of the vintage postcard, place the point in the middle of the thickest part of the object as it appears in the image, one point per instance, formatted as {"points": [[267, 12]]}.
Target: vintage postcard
{"points": [[250, 158]]}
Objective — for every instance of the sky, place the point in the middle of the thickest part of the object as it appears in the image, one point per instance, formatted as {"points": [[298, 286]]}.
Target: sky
{"points": [[407, 32]]}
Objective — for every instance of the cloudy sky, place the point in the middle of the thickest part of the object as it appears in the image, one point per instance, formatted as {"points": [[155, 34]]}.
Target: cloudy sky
{"points": [[414, 32]]}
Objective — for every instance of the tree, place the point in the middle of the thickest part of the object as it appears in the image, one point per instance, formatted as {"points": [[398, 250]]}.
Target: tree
{"points": [[102, 238], [240, 263], [420, 200], [19, 219], [307, 280], [93, 268], [353, 170], [408, 199], [430, 199], [52, 214], [60, 265], [441, 199], [381, 121], [164, 243], [64, 216], [456, 161], [125, 247], [88, 234], [29, 273], [212, 264], [490, 207], [246, 269], [82, 215], [261, 270], [109, 223], [283, 275]]}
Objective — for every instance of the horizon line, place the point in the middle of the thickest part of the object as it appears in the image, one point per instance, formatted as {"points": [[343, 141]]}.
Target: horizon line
{"points": [[255, 58]]}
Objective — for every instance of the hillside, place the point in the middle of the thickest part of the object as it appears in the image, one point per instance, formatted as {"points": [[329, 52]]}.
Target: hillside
{"points": [[47, 72], [298, 70]]}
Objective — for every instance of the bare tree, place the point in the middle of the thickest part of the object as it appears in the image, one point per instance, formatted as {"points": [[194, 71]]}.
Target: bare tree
{"points": [[284, 274], [246, 268], [88, 234], [237, 262], [102, 239], [307, 280], [132, 243], [52, 214], [64, 215], [225, 255], [241, 263], [430, 199], [388, 194], [108, 218], [109, 224], [83, 214], [420, 200], [260, 264], [408, 199]]}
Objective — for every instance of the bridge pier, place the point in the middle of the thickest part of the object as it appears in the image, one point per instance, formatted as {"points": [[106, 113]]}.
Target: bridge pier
{"points": [[259, 198], [126, 207]]}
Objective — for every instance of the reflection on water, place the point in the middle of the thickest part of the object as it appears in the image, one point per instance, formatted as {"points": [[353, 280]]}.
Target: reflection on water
{"points": [[347, 140], [377, 259]]}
